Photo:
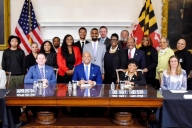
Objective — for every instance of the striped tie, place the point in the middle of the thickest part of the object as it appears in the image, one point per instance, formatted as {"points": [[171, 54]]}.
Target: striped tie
{"points": [[42, 73]]}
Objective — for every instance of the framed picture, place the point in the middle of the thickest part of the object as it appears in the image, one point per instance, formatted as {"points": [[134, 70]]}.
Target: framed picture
{"points": [[4, 23], [177, 21]]}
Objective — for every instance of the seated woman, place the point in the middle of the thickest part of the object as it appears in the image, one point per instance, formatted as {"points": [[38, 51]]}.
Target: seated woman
{"points": [[3, 79], [174, 78], [131, 76]]}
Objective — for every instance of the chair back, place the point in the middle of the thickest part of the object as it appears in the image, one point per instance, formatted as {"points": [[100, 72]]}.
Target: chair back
{"points": [[56, 72], [160, 76], [8, 79], [117, 72], [140, 70]]}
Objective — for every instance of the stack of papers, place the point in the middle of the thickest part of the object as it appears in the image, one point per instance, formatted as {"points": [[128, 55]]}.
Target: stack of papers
{"points": [[178, 91], [187, 96]]}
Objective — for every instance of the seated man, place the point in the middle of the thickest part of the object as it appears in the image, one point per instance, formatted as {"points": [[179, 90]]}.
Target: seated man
{"points": [[87, 72], [40, 71]]}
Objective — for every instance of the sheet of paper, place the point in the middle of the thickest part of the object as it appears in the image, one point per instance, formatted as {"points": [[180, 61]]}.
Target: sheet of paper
{"points": [[85, 85], [187, 96], [178, 91]]}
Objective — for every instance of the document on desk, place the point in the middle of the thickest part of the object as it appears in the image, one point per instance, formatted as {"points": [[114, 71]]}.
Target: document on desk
{"points": [[187, 96], [178, 91]]}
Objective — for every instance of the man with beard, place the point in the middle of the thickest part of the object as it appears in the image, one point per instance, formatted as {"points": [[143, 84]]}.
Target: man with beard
{"points": [[104, 39], [82, 41], [123, 42], [97, 50], [56, 43]]}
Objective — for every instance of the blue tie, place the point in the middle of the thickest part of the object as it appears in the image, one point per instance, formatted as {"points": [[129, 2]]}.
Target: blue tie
{"points": [[42, 73], [86, 72]]}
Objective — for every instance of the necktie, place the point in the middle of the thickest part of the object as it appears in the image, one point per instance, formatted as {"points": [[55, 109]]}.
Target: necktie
{"points": [[82, 45], [102, 40], [129, 55], [86, 92], [95, 49], [42, 73], [86, 72]]}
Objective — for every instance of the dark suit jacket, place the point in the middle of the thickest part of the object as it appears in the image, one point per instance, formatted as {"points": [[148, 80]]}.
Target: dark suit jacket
{"points": [[29, 61], [151, 60], [118, 62], [139, 56], [95, 73], [120, 44], [34, 74], [78, 44], [185, 57], [137, 79], [107, 43]]}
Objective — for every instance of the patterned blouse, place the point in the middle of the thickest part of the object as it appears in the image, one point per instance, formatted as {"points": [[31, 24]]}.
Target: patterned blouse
{"points": [[177, 82], [51, 59]]}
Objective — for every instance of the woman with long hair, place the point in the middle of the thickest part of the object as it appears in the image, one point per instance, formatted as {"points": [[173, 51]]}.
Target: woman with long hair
{"points": [[174, 78], [49, 51], [68, 57], [151, 59]]}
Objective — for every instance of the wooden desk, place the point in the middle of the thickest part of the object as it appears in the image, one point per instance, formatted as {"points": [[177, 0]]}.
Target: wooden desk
{"points": [[58, 95]]}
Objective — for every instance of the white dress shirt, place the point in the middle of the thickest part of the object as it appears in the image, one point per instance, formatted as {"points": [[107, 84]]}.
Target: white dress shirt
{"points": [[82, 43], [132, 52], [93, 44]]}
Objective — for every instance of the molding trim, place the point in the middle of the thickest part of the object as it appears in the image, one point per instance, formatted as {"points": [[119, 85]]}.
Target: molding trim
{"points": [[85, 24], [164, 22]]}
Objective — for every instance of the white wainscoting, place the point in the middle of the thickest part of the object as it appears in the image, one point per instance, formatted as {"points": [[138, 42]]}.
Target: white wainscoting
{"points": [[60, 29]]}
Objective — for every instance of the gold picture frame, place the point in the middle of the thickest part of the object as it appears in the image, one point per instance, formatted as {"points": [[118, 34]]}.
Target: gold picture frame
{"points": [[177, 21], [6, 24], [164, 22]]}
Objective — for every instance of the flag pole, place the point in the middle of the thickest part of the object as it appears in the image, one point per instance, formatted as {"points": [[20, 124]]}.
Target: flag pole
{"points": [[29, 2]]}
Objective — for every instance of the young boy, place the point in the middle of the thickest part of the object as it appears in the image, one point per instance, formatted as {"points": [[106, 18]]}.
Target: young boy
{"points": [[13, 61]]}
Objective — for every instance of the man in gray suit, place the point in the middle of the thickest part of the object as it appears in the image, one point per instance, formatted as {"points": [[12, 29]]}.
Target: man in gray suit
{"points": [[104, 39], [97, 50]]}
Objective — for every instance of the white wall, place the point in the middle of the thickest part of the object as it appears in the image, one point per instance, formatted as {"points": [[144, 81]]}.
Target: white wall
{"points": [[81, 13]]}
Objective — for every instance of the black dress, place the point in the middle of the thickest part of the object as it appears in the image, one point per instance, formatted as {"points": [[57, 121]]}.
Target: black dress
{"points": [[51, 59], [70, 61], [113, 61], [151, 57], [30, 61], [136, 78], [185, 59]]}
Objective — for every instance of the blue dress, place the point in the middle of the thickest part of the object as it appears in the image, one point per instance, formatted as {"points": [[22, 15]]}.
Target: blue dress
{"points": [[177, 82]]}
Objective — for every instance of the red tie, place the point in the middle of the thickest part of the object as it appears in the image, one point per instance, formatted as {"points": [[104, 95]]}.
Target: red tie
{"points": [[129, 55]]}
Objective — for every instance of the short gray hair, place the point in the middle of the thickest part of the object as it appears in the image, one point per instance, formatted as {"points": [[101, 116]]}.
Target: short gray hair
{"points": [[167, 40]]}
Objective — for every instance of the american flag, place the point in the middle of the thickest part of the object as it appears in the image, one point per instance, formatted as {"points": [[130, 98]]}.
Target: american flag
{"points": [[27, 28]]}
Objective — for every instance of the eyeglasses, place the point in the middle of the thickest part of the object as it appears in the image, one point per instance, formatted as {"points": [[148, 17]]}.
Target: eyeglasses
{"points": [[114, 40]]}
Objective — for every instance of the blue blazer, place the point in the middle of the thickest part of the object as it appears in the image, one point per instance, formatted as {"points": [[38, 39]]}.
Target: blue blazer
{"points": [[139, 56], [95, 73], [34, 74]]}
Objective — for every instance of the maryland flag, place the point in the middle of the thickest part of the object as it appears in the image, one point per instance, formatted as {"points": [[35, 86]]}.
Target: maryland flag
{"points": [[147, 25]]}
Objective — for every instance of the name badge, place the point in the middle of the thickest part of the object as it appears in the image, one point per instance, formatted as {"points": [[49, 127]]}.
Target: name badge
{"points": [[180, 60]]}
